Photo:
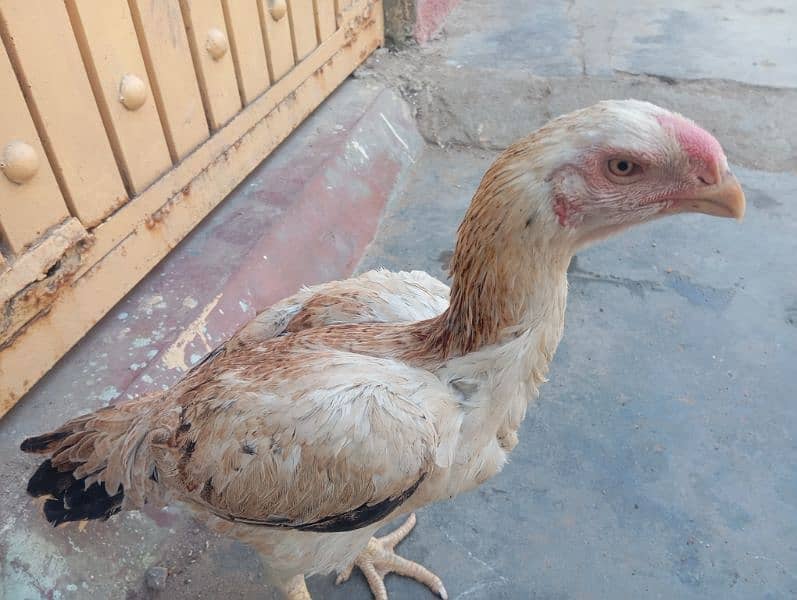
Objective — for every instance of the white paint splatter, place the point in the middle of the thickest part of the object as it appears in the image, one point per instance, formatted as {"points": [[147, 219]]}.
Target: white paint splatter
{"points": [[75, 548], [122, 316], [109, 394], [174, 356], [195, 358], [190, 302], [244, 306], [394, 132], [140, 342], [147, 304], [360, 149]]}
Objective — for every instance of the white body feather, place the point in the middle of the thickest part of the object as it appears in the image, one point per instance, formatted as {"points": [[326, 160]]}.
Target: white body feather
{"points": [[477, 403]]}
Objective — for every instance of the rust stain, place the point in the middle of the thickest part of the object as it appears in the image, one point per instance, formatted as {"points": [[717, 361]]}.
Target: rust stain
{"points": [[33, 283], [157, 217]]}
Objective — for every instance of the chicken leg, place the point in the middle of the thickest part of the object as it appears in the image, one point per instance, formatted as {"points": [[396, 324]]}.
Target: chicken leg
{"points": [[379, 558]]}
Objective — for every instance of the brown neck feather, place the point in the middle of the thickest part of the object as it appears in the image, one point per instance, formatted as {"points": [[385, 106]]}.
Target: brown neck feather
{"points": [[504, 269]]}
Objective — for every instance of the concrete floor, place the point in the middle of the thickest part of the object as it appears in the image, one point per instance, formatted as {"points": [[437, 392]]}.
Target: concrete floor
{"points": [[660, 459]]}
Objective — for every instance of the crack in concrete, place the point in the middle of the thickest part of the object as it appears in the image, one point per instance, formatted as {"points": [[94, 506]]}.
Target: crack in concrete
{"points": [[637, 287], [573, 14], [500, 579], [695, 293], [740, 86], [791, 315], [455, 107], [479, 587]]}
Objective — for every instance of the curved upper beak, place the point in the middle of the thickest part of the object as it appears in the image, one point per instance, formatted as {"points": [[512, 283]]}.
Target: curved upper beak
{"points": [[722, 199]]}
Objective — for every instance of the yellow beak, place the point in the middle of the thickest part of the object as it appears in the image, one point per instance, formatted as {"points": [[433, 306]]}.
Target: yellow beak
{"points": [[724, 199]]}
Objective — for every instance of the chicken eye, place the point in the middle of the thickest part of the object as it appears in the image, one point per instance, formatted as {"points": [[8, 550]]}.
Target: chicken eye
{"points": [[621, 167]]}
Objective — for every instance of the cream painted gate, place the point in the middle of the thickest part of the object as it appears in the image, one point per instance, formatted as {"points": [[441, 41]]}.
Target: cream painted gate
{"points": [[124, 123]]}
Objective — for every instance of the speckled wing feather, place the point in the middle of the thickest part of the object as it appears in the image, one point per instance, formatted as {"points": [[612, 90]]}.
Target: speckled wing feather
{"points": [[288, 434], [268, 429], [308, 438]]}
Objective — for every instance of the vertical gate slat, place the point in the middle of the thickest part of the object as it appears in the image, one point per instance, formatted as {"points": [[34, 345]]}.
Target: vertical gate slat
{"points": [[277, 36], [29, 208], [58, 88], [341, 6], [246, 43], [324, 18], [302, 20], [203, 19], [161, 34], [105, 32]]}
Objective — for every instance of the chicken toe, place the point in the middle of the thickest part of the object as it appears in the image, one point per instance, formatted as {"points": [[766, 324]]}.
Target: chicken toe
{"points": [[379, 558]]}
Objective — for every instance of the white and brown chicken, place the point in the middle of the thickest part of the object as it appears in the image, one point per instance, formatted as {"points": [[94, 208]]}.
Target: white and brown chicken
{"points": [[354, 402]]}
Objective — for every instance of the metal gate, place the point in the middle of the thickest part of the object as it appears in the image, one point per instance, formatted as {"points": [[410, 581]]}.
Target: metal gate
{"points": [[124, 123]]}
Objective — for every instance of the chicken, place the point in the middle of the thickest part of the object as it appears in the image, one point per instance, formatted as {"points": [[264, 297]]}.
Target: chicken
{"points": [[354, 402]]}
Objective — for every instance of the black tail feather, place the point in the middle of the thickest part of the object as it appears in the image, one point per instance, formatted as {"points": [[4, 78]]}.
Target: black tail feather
{"points": [[42, 443], [47, 480], [70, 499]]}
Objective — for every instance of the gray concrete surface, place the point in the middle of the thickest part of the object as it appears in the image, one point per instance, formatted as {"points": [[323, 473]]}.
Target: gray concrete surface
{"points": [[661, 459], [748, 42]]}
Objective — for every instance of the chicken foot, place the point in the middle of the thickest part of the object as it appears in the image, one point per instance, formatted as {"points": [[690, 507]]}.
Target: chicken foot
{"points": [[379, 558]]}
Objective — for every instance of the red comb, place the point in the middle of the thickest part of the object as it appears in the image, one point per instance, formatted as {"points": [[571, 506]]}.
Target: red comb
{"points": [[696, 141]]}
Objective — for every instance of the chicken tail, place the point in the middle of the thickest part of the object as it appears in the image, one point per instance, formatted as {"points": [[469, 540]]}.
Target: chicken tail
{"points": [[97, 462]]}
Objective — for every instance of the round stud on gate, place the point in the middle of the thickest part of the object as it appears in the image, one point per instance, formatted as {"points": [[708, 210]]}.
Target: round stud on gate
{"points": [[216, 44], [277, 9], [19, 161], [132, 92]]}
